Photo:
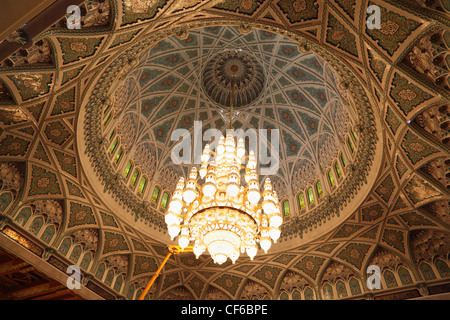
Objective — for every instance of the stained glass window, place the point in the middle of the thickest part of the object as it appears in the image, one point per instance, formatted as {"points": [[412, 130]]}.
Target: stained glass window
{"points": [[343, 160], [127, 171], [111, 136], [164, 200], [309, 294], [427, 272], [114, 146], [107, 108], [328, 292], [390, 280], [118, 156], [442, 268], [319, 189], [355, 288], [108, 118], [404, 276], [338, 170], [301, 201], [286, 209], [310, 196], [353, 134], [350, 145], [341, 289], [155, 195], [331, 177], [142, 184], [134, 177]]}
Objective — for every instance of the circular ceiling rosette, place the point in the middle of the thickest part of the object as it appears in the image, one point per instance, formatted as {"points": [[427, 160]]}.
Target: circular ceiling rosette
{"points": [[233, 68]]}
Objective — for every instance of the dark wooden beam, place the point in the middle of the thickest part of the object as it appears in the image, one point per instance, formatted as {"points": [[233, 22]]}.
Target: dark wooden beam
{"points": [[36, 290], [38, 24], [12, 266]]}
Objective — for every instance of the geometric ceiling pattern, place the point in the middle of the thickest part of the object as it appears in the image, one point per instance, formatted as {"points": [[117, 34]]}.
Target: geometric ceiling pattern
{"points": [[56, 211], [165, 92]]}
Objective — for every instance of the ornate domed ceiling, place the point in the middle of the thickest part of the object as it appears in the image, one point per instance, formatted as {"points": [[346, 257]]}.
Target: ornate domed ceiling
{"points": [[163, 90], [87, 118]]}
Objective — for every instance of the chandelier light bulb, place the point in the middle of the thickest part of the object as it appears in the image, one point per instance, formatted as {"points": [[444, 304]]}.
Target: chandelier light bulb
{"points": [[275, 196], [220, 258], [229, 148], [276, 220], [251, 164], [176, 205], [171, 218], [234, 257], [232, 190], [253, 196], [274, 233], [189, 196], [268, 206], [265, 244], [206, 154], [251, 252], [183, 241], [221, 146], [174, 231], [203, 170], [209, 189], [240, 149], [198, 250], [247, 176]]}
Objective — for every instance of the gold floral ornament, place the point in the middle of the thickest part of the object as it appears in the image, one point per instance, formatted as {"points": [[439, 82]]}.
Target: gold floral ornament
{"points": [[139, 6], [29, 81]]}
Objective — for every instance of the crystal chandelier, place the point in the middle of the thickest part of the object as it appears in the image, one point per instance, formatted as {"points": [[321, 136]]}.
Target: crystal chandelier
{"points": [[212, 208]]}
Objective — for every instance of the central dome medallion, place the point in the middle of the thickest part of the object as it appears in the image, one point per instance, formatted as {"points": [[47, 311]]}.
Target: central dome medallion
{"points": [[228, 66]]}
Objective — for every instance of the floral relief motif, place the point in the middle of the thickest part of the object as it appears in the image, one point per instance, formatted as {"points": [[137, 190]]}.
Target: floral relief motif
{"points": [[418, 190], [299, 10], [354, 253], [416, 148], [43, 182], [395, 29], [75, 49]]}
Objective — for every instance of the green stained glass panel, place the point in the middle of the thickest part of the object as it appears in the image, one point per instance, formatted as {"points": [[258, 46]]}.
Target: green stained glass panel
{"points": [[108, 118], [310, 196], [301, 201], [118, 156], [338, 170], [286, 209], [155, 195], [127, 171], [164, 200], [353, 134], [319, 189], [114, 146], [134, 177], [331, 178], [343, 160], [350, 145], [142, 184]]}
